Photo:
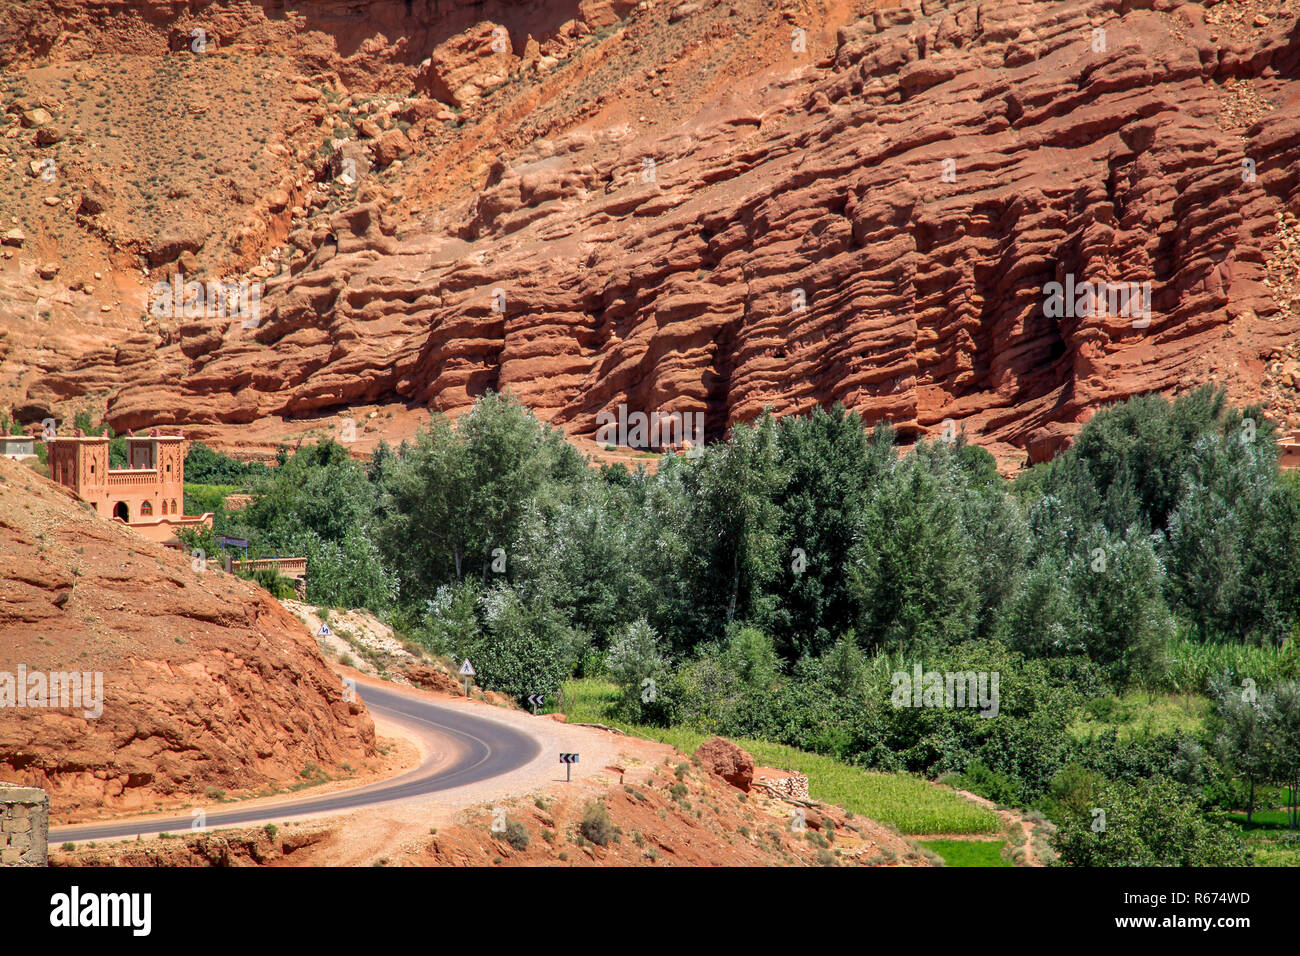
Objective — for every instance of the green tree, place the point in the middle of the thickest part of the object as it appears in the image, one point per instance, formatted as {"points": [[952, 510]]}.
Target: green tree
{"points": [[520, 649], [912, 570], [1233, 541], [733, 533], [1116, 582], [845, 669], [637, 665], [348, 573], [450, 618], [204, 466], [460, 494], [1142, 447], [635, 655], [830, 464], [581, 554], [1156, 823], [1041, 618], [320, 490]]}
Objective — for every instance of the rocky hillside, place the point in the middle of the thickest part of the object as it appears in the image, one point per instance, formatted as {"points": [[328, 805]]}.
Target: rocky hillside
{"points": [[715, 207], [207, 683]]}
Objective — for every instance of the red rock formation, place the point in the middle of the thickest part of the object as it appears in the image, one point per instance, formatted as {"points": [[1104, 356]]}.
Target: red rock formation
{"points": [[876, 229], [207, 682], [734, 765]]}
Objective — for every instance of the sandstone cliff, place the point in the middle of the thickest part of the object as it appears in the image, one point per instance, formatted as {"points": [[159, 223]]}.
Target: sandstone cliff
{"points": [[695, 213]]}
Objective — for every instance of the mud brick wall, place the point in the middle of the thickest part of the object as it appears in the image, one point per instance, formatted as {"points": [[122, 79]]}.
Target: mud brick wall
{"points": [[24, 825]]}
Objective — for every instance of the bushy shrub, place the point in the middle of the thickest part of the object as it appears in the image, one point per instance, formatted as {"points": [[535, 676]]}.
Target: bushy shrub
{"points": [[521, 650], [516, 834], [596, 825], [348, 573], [637, 666], [1155, 823], [204, 466]]}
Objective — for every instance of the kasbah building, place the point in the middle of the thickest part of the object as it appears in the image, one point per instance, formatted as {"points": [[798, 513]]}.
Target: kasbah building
{"points": [[148, 495]]}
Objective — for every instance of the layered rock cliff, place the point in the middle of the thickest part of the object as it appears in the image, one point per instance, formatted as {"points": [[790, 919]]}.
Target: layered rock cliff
{"points": [[792, 220]]}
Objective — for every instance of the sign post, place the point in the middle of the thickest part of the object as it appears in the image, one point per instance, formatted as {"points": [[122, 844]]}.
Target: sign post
{"points": [[536, 700], [568, 760], [467, 671]]}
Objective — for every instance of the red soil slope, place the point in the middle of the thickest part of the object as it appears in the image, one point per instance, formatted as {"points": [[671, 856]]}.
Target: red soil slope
{"points": [[207, 682]]}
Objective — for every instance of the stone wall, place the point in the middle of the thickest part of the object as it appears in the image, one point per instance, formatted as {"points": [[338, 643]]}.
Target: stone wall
{"points": [[783, 783], [24, 825]]}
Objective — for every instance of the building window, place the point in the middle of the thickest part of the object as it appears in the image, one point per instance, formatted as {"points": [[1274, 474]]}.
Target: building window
{"points": [[146, 510], [174, 511], [164, 506]]}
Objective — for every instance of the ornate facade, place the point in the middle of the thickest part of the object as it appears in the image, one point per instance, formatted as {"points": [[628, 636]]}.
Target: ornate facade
{"points": [[148, 495]]}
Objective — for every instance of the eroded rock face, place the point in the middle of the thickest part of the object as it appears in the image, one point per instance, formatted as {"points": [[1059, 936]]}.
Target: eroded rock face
{"points": [[876, 227], [879, 232], [461, 68], [734, 765], [206, 681]]}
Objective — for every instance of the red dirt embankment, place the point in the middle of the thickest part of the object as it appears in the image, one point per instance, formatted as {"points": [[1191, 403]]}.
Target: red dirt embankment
{"points": [[207, 682]]}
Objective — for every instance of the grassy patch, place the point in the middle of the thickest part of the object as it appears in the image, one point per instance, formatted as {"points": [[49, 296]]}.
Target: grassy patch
{"points": [[1139, 714], [1268, 837], [968, 852], [909, 803]]}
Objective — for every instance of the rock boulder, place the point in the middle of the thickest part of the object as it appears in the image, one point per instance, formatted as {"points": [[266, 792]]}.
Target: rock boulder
{"points": [[731, 763]]}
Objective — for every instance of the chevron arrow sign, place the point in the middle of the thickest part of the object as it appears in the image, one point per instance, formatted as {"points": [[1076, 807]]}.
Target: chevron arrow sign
{"points": [[568, 760]]}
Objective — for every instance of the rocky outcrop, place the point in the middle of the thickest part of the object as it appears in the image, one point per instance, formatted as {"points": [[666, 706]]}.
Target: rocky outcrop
{"points": [[462, 67], [879, 227], [260, 846], [881, 232], [207, 683], [720, 756], [372, 42]]}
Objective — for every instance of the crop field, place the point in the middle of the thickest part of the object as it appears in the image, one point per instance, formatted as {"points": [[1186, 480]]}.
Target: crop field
{"points": [[968, 852]]}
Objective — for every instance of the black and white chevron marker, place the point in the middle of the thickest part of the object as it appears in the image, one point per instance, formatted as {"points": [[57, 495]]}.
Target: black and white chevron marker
{"points": [[568, 760], [536, 700]]}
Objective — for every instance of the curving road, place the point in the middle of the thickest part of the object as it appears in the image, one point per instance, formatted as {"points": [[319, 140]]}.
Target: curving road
{"points": [[484, 749]]}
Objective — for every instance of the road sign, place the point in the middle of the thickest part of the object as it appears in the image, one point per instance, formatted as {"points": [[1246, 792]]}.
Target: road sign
{"points": [[467, 671], [324, 630], [536, 700], [568, 760]]}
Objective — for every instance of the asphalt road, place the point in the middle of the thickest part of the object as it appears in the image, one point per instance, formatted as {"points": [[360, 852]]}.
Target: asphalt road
{"points": [[487, 749]]}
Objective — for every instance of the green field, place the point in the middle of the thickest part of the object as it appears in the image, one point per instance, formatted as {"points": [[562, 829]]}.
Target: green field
{"points": [[1138, 714], [968, 852], [1191, 665], [909, 803], [1268, 835]]}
